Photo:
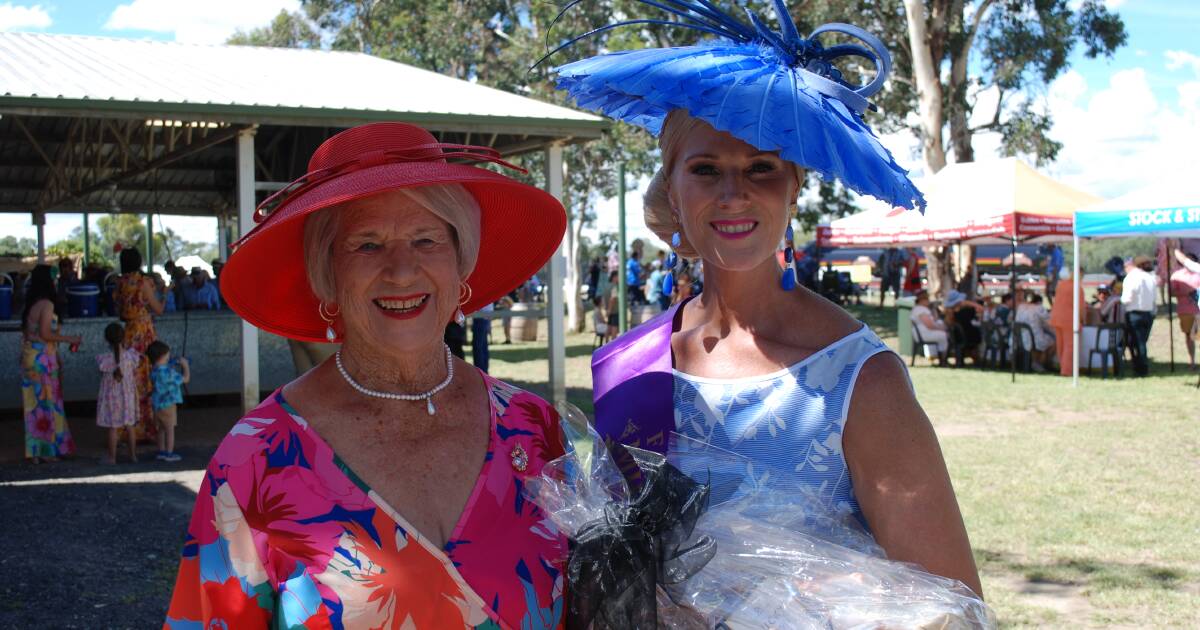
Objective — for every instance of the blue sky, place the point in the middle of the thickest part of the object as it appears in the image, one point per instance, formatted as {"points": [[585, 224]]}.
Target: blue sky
{"points": [[1122, 120]]}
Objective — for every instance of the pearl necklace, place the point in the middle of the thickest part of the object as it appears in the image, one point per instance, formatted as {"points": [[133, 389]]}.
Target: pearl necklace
{"points": [[427, 396]]}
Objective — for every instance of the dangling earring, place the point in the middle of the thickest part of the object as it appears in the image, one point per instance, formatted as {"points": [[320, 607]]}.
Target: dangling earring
{"points": [[463, 298], [788, 279], [668, 283], [328, 317]]}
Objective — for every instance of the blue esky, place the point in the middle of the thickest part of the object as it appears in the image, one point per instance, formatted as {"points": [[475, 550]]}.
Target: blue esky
{"points": [[1124, 121]]}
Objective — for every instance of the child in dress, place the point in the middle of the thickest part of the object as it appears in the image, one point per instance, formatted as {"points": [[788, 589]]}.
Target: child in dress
{"points": [[117, 403], [165, 395]]}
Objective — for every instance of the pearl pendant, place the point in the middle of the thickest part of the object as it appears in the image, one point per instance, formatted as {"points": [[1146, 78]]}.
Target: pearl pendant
{"points": [[460, 318], [429, 408], [330, 334]]}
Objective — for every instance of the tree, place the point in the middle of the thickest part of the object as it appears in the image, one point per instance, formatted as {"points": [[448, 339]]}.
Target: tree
{"points": [[287, 30], [13, 246], [1021, 45]]}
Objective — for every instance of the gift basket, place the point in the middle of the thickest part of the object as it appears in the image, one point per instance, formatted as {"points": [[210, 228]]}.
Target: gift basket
{"points": [[692, 540]]}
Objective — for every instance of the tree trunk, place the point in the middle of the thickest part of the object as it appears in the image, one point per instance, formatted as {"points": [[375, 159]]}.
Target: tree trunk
{"points": [[574, 279], [929, 86]]}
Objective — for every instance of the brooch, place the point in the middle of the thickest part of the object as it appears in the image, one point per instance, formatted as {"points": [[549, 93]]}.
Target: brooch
{"points": [[519, 459]]}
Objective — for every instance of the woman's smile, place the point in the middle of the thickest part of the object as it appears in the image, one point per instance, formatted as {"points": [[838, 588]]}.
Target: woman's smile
{"points": [[734, 229], [402, 306]]}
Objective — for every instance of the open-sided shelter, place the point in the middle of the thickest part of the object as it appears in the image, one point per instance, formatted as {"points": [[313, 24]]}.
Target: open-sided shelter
{"points": [[91, 124], [1168, 209]]}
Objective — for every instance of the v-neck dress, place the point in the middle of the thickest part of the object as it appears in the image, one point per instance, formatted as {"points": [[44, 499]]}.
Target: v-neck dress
{"points": [[285, 535]]}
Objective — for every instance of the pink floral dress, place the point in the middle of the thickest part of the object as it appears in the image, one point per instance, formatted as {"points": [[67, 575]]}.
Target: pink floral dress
{"points": [[117, 402], [285, 535]]}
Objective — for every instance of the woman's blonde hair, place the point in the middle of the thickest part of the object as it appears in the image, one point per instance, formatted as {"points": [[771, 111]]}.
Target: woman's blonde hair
{"points": [[449, 202], [656, 204]]}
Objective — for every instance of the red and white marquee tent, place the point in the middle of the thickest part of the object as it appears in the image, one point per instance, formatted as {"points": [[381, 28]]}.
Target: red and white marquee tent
{"points": [[973, 202]]}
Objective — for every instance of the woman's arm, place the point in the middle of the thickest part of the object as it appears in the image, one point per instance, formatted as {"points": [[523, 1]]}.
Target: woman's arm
{"points": [[150, 297], [900, 477], [1187, 263], [46, 325]]}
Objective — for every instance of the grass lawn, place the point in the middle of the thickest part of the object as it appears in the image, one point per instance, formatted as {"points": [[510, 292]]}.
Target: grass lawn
{"points": [[1082, 504]]}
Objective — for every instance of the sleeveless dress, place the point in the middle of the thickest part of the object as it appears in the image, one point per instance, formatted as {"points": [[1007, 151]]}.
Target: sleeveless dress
{"points": [[139, 334], [117, 401], [46, 430], [285, 535], [788, 423]]}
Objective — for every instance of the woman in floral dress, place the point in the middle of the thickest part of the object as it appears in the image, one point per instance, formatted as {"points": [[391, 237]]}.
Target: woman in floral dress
{"points": [[135, 301], [47, 436], [383, 487]]}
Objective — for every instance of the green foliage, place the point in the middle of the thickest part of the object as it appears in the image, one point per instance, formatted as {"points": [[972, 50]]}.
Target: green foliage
{"points": [[287, 30], [1097, 252], [13, 246]]}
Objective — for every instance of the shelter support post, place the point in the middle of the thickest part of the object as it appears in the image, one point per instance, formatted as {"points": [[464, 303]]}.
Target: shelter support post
{"points": [[622, 284], [556, 329], [1075, 310], [1170, 308], [149, 243], [222, 238], [87, 243], [39, 220], [1012, 328], [245, 201]]}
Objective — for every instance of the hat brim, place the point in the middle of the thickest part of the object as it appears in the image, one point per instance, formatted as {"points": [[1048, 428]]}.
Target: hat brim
{"points": [[266, 283]]}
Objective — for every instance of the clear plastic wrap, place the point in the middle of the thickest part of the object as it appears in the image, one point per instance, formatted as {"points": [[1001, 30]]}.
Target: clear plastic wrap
{"points": [[764, 555]]}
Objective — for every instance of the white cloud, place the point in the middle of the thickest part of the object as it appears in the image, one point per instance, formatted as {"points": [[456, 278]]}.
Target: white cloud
{"points": [[14, 17], [1180, 59], [1121, 137], [209, 22]]}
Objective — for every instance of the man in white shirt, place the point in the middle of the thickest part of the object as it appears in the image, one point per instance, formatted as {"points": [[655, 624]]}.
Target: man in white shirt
{"points": [[1138, 298]]}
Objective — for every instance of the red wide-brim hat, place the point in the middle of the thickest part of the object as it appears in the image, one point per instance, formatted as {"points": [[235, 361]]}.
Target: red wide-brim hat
{"points": [[265, 280]]}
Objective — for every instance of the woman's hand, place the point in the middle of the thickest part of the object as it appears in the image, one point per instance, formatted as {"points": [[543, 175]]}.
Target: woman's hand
{"points": [[900, 477]]}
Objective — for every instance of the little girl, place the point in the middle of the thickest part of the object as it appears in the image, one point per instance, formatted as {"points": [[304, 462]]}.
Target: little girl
{"points": [[117, 403]]}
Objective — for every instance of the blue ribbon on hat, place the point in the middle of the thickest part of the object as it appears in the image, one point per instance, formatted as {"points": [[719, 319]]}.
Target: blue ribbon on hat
{"points": [[775, 90]]}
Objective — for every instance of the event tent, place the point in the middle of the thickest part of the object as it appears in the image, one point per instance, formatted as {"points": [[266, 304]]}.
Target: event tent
{"points": [[997, 201], [1170, 209]]}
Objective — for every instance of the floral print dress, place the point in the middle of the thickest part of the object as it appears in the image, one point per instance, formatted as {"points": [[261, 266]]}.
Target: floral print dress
{"points": [[285, 535], [139, 334], [46, 431], [117, 401]]}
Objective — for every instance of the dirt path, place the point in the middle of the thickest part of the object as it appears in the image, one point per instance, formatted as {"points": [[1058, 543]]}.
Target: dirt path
{"points": [[85, 545]]}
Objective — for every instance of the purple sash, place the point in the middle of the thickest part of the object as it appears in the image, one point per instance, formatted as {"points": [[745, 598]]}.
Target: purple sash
{"points": [[632, 386]]}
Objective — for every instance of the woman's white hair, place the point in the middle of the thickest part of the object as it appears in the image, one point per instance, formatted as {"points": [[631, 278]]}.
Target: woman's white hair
{"points": [[449, 202]]}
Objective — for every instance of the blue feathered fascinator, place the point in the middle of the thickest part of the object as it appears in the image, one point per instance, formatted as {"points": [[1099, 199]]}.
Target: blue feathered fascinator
{"points": [[776, 91]]}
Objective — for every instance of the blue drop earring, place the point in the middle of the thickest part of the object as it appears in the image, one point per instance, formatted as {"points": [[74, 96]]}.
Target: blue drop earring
{"points": [[668, 283], [788, 280]]}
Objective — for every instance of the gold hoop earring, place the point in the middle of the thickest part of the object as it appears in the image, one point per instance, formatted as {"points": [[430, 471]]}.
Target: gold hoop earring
{"points": [[328, 317]]}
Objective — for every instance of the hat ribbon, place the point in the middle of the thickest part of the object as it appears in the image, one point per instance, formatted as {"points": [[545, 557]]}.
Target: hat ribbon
{"points": [[417, 153]]}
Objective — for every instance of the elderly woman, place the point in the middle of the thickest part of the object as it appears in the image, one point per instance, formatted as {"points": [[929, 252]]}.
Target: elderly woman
{"points": [[755, 364], [381, 489]]}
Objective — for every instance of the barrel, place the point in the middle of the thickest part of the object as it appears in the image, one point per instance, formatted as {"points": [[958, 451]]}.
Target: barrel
{"points": [[6, 292], [524, 328], [83, 300]]}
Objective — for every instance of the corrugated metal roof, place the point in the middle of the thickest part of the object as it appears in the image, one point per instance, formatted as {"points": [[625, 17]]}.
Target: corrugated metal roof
{"points": [[45, 70]]}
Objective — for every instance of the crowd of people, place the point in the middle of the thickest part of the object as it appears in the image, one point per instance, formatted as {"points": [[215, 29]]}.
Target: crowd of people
{"points": [[138, 383], [1128, 302], [645, 281]]}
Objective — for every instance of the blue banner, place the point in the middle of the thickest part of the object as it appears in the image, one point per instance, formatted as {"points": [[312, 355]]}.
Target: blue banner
{"points": [[1115, 222]]}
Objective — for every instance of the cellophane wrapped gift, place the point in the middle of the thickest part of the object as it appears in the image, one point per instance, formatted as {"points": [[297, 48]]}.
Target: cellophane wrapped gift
{"points": [[702, 539]]}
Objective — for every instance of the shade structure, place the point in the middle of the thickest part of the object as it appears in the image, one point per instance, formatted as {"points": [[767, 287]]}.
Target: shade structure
{"points": [[1171, 208], [973, 202], [1168, 208]]}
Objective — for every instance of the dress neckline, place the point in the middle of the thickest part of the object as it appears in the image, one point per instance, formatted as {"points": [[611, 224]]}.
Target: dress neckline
{"points": [[778, 373], [377, 499]]}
